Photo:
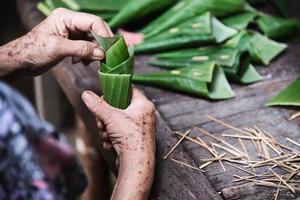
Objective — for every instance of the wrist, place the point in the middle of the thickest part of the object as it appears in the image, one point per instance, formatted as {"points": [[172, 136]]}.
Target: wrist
{"points": [[13, 56], [136, 174]]}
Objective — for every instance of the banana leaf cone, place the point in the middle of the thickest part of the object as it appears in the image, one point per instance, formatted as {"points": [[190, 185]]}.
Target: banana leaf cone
{"points": [[236, 64], [262, 49], [203, 29], [188, 9], [278, 28], [240, 21], [116, 71], [204, 80], [136, 9], [288, 97]]}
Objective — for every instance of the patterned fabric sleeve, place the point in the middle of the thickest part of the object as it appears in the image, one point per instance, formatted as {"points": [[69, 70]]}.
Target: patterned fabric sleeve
{"points": [[35, 161]]}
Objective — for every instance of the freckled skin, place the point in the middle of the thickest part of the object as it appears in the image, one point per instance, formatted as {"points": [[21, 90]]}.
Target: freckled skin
{"points": [[131, 133], [50, 42]]}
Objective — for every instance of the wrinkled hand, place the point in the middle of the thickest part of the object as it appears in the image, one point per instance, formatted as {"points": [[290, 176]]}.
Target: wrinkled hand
{"points": [[51, 40], [131, 132]]}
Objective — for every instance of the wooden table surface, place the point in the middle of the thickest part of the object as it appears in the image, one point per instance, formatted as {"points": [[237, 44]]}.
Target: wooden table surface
{"points": [[181, 112]]}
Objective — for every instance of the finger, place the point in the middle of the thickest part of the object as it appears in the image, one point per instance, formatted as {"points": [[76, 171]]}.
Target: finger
{"points": [[74, 21], [105, 137], [107, 146], [100, 124], [137, 96], [98, 106], [108, 29], [78, 48]]}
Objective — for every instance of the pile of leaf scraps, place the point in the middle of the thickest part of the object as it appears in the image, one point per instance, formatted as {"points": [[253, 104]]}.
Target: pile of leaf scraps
{"points": [[275, 165]]}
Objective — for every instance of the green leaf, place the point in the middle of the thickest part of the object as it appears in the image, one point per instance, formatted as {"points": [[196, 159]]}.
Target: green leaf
{"points": [[240, 21], [236, 64], [136, 9], [288, 97], [199, 30], [116, 70], [257, 2], [99, 5], [262, 49], [278, 28], [206, 80], [189, 9], [282, 6], [44, 8]]}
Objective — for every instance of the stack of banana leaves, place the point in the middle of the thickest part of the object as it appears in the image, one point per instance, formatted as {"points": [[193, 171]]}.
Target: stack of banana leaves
{"points": [[235, 40], [198, 44], [105, 9]]}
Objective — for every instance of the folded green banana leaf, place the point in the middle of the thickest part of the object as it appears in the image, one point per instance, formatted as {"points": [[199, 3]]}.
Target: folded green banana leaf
{"points": [[262, 49], [288, 97], [278, 28], [240, 21], [205, 80], [116, 70], [235, 63], [136, 9], [99, 5], [200, 30], [188, 9]]}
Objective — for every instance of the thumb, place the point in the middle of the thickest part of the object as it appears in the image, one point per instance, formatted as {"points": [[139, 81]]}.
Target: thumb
{"points": [[82, 49], [97, 106]]}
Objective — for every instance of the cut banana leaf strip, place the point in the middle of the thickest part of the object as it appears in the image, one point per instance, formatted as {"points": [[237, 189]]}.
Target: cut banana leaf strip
{"points": [[99, 5], [205, 80], [188, 9], [136, 9], [288, 97], [197, 31], [278, 28], [242, 71], [236, 64], [240, 21], [44, 8], [116, 70], [47, 6], [262, 49]]}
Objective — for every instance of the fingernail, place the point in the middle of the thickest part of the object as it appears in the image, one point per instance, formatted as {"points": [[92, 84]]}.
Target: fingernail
{"points": [[86, 95], [98, 53]]}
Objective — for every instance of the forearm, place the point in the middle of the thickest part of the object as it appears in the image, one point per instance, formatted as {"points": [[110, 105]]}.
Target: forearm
{"points": [[13, 56], [135, 177]]}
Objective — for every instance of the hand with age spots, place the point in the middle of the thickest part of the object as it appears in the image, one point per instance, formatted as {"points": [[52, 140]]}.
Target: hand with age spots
{"points": [[51, 41], [130, 133]]}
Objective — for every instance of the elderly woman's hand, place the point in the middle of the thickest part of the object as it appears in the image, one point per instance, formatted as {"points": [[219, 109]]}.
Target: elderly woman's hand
{"points": [[131, 134], [51, 41]]}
